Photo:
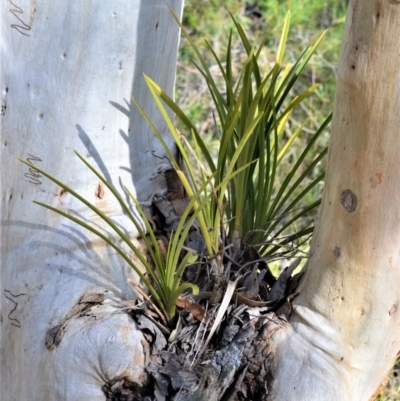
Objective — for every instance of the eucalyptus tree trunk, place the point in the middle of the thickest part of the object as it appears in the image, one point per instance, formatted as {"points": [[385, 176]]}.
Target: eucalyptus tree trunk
{"points": [[344, 332], [68, 71]]}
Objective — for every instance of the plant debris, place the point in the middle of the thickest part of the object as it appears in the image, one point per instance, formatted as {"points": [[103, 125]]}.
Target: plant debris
{"points": [[220, 351]]}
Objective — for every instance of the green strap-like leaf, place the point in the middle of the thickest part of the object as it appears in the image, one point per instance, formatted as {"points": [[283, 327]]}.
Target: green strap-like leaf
{"points": [[282, 42], [83, 224]]}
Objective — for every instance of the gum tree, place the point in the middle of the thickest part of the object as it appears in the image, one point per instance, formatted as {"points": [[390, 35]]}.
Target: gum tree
{"points": [[68, 72], [65, 335], [343, 335]]}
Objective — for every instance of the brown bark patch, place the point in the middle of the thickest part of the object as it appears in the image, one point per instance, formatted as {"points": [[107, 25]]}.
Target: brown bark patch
{"points": [[393, 310], [3, 109], [61, 192], [349, 200], [121, 388], [99, 193], [55, 334], [380, 177]]}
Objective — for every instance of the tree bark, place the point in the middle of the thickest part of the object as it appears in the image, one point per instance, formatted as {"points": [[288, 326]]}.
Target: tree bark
{"points": [[343, 335], [68, 72], [67, 77]]}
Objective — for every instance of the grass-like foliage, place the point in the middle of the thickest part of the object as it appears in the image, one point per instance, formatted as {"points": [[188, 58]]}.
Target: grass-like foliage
{"points": [[164, 273], [253, 109], [236, 196]]}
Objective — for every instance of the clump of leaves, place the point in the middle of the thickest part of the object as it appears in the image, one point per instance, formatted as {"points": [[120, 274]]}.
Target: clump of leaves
{"points": [[252, 109], [164, 272], [233, 198]]}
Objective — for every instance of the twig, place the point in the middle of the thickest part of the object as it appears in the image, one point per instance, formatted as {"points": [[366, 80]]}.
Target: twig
{"points": [[147, 298]]}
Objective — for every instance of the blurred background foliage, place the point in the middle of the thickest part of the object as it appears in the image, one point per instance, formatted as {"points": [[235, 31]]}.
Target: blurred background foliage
{"points": [[210, 19]]}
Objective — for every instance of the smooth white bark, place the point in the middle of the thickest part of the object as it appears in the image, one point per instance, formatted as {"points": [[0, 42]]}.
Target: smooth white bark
{"points": [[68, 71], [344, 334]]}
